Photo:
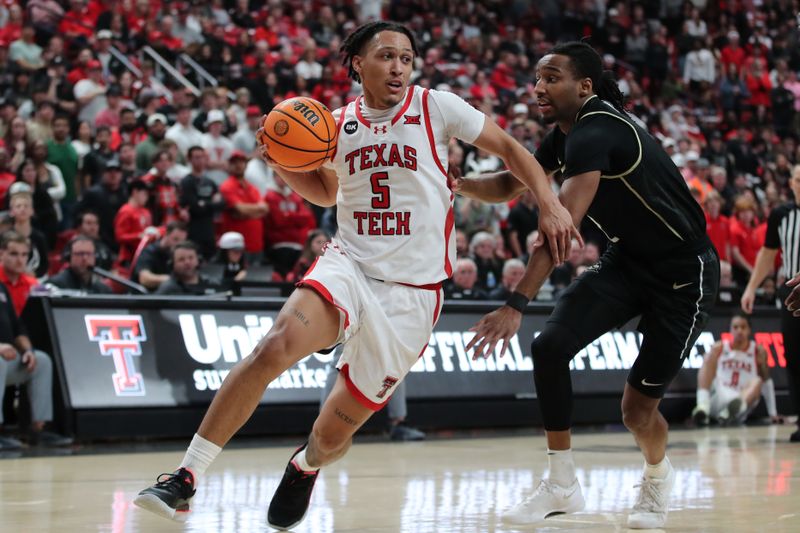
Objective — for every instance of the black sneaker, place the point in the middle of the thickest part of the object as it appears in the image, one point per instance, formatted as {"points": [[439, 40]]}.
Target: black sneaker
{"points": [[403, 433], [170, 496], [290, 502], [795, 437], [49, 439]]}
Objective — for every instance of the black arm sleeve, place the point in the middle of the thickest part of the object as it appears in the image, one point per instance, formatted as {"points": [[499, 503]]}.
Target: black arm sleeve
{"points": [[772, 239]]}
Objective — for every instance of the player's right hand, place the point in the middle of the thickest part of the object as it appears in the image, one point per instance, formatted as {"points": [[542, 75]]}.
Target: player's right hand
{"points": [[557, 227], [454, 178], [748, 298], [793, 300]]}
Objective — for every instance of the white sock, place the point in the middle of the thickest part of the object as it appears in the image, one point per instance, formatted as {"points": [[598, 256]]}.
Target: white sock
{"points": [[300, 460], [562, 468], [199, 456], [658, 471], [703, 399]]}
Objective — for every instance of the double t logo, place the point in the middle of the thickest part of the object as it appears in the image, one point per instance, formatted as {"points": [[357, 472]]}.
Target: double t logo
{"points": [[120, 336]]}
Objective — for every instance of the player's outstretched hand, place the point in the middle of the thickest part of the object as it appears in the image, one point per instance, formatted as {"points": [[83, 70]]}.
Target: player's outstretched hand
{"points": [[499, 325], [557, 227], [793, 300]]}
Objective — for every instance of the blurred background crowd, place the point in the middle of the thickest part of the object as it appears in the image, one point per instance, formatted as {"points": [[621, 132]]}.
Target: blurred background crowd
{"points": [[130, 124]]}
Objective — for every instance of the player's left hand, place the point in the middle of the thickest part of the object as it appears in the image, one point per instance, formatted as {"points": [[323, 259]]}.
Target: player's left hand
{"points": [[793, 300], [29, 360], [499, 325], [556, 226]]}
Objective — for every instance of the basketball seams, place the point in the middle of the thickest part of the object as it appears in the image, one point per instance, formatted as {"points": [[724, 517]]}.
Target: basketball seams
{"points": [[271, 138], [305, 148], [311, 131], [324, 115]]}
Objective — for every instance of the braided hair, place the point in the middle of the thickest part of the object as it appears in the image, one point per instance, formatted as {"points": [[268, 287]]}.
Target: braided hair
{"points": [[354, 42], [586, 63]]}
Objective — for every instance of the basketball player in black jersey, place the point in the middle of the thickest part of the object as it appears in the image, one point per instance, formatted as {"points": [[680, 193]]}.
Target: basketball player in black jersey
{"points": [[659, 265]]}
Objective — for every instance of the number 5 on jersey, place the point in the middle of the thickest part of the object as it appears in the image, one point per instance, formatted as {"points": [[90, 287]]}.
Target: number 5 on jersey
{"points": [[382, 222]]}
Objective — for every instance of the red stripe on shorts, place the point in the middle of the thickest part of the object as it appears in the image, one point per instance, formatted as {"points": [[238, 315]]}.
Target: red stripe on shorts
{"points": [[357, 394], [325, 293]]}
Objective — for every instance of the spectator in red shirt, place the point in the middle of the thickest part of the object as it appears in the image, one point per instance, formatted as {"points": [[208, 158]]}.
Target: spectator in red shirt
{"points": [[286, 227], [718, 225], [733, 53], [131, 221], [76, 23], [244, 207], [6, 176], [745, 241], [80, 71], [14, 250], [163, 203]]}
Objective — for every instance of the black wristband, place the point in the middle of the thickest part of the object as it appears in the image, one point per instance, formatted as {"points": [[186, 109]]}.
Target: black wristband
{"points": [[518, 301]]}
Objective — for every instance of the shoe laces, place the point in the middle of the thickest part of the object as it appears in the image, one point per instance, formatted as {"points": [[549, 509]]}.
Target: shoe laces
{"points": [[174, 481], [650, 495], [545, 487]]}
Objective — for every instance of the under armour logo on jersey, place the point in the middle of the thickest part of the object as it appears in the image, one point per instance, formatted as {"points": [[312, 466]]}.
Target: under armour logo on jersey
{"points": [[412, 119], [388, 383], [380, 129]]}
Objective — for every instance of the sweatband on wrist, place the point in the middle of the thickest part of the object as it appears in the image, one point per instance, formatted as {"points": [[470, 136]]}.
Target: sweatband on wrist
{"points": [[518, 301]]}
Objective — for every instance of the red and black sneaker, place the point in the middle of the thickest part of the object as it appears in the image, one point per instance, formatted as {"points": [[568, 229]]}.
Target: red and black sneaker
{"points": [[171, 495], [290, 502]]}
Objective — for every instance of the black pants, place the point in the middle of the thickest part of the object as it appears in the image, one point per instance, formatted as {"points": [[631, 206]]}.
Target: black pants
{"points": [[790, 326], [673, 297]]}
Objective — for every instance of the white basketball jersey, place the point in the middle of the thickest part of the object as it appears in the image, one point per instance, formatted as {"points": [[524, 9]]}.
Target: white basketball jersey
{"points": [[736, 368], [394, 208]]}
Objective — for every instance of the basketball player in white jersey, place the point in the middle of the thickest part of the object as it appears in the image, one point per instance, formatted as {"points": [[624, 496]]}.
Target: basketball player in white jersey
{"points": [[377, 288], [733, 377]]}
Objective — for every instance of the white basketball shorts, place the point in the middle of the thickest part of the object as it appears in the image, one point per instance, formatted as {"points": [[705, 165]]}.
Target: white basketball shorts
{"points": [[384, 327], [721, 396]]}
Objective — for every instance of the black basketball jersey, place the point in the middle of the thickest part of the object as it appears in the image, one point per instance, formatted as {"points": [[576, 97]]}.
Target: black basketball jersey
{"points": [[643, 203]]}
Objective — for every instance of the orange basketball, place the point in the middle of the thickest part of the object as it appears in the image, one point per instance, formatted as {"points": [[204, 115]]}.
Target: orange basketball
{"points": [[299, 133]]}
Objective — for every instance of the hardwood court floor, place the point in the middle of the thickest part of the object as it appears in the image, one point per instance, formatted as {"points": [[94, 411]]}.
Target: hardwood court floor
{"points": [[733, 479]]}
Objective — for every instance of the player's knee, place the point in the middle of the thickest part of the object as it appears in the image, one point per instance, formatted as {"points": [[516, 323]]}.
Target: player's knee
{"points": [[635, 417], [44, 365], [553, 346], [271, 352], [326, 443]]}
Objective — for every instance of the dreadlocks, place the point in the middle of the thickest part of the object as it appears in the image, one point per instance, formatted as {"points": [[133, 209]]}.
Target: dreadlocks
{"points": [[354, 42], [586, 63]]}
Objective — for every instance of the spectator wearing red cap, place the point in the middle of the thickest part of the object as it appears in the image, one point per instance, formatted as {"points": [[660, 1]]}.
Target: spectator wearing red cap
{"points": [[91, 92], [244, 208], [244, 139]]}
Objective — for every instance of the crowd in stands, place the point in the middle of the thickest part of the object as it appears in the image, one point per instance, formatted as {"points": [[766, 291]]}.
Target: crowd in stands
{"points": [[138, 164]]}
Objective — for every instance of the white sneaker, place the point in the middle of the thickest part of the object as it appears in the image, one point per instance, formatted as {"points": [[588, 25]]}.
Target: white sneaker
{"points": [[651, 507], [548, 499]]}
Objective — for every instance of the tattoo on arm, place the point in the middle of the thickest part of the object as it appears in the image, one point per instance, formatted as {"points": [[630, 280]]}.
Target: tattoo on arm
{"points": [[300, 316], [344, 417]]}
